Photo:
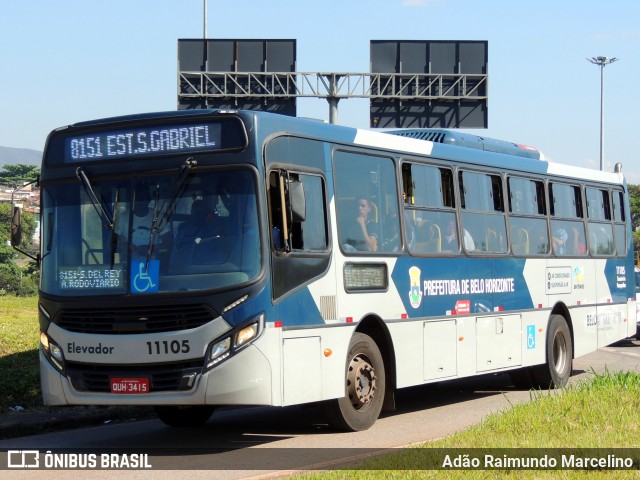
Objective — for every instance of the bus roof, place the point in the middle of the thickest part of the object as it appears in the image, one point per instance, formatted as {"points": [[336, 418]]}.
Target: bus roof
{"points": [[462, 147], [461, 139], [439, 143]]}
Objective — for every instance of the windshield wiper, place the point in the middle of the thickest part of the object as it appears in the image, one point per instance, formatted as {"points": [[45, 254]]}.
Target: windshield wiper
{"points": [[114, 235], [162, 215], [97, 204]]}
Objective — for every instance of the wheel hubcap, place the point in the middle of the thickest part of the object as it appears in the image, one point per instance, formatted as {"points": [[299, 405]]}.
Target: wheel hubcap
{"points": [[361, 382], [559, 352]]}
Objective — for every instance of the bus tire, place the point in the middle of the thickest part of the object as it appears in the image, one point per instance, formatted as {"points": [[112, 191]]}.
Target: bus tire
{"points": [[184, 416], [365, 387], [556, 371]]}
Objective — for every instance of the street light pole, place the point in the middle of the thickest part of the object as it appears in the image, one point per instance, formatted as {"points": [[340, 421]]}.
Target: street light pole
{"points": [[205, 17], [601, 62]]}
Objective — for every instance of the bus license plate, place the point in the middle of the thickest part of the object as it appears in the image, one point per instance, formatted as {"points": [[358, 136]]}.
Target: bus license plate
{"points": [[129, 385]]}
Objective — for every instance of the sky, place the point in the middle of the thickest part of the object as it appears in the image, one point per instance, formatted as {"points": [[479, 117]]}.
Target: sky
{"points": [[67, 61]]}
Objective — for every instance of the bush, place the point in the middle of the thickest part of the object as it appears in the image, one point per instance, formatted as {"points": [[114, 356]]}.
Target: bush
{"points": [[9, 277], [28, 287], [14, 280]]}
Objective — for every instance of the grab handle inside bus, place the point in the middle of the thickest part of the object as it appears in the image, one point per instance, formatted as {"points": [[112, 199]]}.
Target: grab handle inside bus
{"points": [[285, 228]]}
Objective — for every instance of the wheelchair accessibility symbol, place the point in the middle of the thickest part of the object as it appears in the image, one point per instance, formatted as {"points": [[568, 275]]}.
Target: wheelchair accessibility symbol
{"points": [[145, 280], [531, 337]]}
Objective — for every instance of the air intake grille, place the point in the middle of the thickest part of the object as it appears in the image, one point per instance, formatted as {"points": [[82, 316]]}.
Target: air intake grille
{"points": [[328, 307], [162, 377], [437, 137], [137, 320]]}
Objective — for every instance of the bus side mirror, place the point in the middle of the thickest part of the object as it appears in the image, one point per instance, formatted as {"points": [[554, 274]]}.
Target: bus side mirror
{"points": [[16, 227], [297, 201]]}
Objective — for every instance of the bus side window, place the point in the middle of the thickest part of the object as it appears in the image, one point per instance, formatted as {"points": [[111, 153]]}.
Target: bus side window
{"points": [[483, 214], [527, 217], [298, 228], [567, 225], [366, 202], [620, 228], [303, 225], [430, 218], [600, 228]]}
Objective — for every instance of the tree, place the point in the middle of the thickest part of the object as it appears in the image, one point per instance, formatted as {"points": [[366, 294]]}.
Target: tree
{"points": [[16, 175], [634, 200], [14, 279]]}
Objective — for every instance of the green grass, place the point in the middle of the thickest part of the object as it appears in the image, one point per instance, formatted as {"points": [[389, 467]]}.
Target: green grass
{"points": [[602, 412], [19, 337]]}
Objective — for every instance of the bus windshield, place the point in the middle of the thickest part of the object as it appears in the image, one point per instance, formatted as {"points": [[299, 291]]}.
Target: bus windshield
{"points": [[148, 234]]}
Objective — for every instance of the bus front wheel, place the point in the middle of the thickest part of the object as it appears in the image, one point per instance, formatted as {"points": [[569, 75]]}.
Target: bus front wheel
{"points": [[557, 369], [365, 387], [184, 416]]}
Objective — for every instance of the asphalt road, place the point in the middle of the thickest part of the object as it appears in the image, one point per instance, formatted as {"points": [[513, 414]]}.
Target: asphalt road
{"points": [[248, 442]]}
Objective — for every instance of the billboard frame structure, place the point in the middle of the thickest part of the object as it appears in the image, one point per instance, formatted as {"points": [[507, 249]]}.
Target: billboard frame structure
{"points": [[274, 86], [200, 87], [449, 90]]}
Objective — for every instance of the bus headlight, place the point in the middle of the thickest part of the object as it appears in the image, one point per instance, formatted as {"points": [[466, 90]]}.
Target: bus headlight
{"points": [[246, 334], [52, 351], [221, 349], [218, 351]]}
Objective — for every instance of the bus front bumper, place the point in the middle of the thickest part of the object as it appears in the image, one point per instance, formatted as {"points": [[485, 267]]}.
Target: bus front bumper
{"points": [[244, 379]]}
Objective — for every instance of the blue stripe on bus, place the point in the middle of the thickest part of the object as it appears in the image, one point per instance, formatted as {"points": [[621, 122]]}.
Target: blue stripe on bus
{"points": [[616, 271], [299, 309], [294, 310], [461, 285]]}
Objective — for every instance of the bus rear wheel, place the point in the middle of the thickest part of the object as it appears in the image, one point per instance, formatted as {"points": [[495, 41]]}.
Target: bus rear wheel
{"points": [[365, 387], [555, 373], [184, 416]]}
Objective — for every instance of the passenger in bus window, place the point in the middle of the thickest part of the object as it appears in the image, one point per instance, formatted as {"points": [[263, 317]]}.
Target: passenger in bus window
{"points": [[362, 234], [560, 238], [579, 246]]}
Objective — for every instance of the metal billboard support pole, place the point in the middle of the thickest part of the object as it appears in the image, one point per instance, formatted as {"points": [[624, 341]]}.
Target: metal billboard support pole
{"points": [[333, 109], [333, 98]]}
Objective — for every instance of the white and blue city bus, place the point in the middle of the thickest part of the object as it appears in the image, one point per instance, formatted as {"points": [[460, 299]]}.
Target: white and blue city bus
{"points": [[200, 258]]}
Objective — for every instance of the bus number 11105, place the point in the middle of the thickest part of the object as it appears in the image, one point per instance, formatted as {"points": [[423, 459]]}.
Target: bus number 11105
{"points": [[168, 347]]}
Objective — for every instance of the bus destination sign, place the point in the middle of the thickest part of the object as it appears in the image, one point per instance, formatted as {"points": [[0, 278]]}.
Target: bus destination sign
{"points": [[143, 141], [91, 277]]}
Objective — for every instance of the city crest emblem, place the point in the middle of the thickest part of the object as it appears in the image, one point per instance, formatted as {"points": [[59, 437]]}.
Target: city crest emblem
{"points": [[415, 293]]}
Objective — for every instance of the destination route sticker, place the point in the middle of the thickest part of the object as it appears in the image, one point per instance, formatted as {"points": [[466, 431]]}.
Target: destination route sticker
{"points": [[558, 280]]}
